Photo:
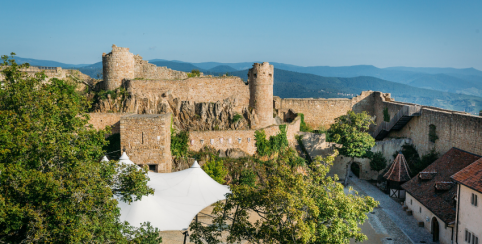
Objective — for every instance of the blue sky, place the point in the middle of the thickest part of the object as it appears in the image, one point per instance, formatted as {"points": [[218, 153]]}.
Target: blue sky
{"points": [[334, 33]]}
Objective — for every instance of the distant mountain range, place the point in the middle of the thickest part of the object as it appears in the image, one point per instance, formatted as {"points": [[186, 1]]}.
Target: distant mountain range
{"points": [[450, 88]]}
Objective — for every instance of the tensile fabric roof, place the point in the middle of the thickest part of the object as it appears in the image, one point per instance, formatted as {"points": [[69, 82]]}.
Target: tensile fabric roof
{"points": [[178, 197]]}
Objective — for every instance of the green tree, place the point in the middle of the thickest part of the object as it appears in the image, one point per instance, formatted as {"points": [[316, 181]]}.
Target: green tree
{"points": [[294, 205], [53, 187], [351, 131], [378, 162], [215, 169]]}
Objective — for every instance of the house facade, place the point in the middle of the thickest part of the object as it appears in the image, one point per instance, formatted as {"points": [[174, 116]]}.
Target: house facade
{"points": [[468, 222]]}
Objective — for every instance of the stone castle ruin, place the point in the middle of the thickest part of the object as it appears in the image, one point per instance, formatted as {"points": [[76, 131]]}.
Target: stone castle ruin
{"points": [[224, 112]]}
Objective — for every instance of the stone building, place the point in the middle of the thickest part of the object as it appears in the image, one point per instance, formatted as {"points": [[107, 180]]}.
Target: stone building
{"points": [[146, 138]]}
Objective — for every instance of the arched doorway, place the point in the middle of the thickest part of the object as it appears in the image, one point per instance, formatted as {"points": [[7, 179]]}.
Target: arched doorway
{"points": [[435, 229], [356, 169]]}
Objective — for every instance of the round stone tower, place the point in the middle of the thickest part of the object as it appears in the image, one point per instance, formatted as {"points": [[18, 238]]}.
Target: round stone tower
{"points": [[260, 79], [118, 65]]}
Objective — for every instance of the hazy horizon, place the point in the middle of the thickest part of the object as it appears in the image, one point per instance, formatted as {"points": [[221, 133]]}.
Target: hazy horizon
{"points": [[441, 34]]}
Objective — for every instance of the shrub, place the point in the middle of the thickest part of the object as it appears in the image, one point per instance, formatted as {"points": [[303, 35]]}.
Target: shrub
{"points": [[303, 126], [236, 118], [179, 143], [215, 169], [194, 73], [274, 144], [378, 161]]}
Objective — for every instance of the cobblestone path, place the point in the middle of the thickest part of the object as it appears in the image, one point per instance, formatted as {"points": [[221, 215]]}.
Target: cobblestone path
{"points": [[391, 216]]}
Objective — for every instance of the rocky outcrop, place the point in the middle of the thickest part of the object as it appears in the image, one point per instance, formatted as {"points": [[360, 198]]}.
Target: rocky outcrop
{"points": [[187, 115]]}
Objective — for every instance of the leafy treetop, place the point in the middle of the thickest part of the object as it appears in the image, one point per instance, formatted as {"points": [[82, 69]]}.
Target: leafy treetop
{"points": [[53, 187], [351, 131]]}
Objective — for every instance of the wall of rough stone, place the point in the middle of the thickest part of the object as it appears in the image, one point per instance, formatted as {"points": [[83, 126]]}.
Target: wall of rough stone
{"points": [[318, 112], [55, 72], [260, 79], [453, 128], [196, 89], [322, 112], [144, 70], [147, 140], [118, 66], [101, 120], [242, 139]]}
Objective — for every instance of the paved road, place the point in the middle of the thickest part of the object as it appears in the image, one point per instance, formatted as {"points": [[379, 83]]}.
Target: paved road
{"points": [[390, 212]]}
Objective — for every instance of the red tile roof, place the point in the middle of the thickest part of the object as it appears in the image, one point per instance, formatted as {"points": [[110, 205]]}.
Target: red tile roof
{"points": [[471, 176], [440, 200], [399, 170]]}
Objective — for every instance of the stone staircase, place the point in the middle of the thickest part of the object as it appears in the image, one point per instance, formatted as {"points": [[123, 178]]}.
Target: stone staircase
{"points": [[397, 122]]}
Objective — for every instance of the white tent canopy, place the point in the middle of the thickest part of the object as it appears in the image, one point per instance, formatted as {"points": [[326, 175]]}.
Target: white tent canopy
{"points": [[177, 199]]}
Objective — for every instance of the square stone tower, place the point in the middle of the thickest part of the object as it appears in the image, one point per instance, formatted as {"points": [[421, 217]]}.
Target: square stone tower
{"points": [[146, 138]]}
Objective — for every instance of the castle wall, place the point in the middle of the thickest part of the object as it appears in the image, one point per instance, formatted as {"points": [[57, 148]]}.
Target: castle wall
{"points": [[242, 139], [118, 65], [322, 112], [101, 120], [318, 112], [196, 89], [147, 140], [144, 70], [454, 129], [53, 72]]}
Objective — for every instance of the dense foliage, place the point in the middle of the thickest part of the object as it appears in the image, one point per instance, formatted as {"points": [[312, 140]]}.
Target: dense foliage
{"points": [[292, 205], [53, 187], [273, 144], [215, 169], [378, 161], [303, 126], [179, 143], [351, 131]]}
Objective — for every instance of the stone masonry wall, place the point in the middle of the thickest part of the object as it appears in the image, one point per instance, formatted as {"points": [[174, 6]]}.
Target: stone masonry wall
{"points": [[261, 82], [101, 120], [318, 112], [118, 66], [242, 139], [454, 129], [147, 140], [144, 70], [322, 112], [196, 89]]}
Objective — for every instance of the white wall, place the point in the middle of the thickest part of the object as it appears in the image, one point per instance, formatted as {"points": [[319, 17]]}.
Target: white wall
{"points": [[469, 216], [421, 213]]}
